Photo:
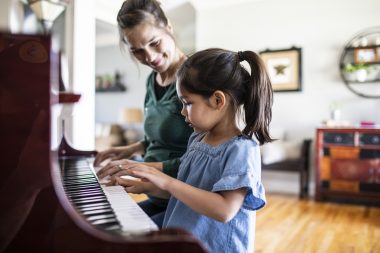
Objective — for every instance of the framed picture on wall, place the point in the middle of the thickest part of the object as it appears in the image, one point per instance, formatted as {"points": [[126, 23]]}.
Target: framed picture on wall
{"points": [[366, 55], [284, 68]]}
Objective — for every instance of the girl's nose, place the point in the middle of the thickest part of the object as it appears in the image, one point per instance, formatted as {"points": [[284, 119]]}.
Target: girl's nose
{"points": [[183, 111]]}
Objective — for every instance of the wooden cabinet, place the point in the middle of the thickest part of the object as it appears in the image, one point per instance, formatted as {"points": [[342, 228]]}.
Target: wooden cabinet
{"points": [[348, 164]]}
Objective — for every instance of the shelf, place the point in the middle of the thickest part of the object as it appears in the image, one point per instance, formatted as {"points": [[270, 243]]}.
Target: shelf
{"points": [[65, 97], [363, 82], [359, 63], [356, 64], [360, 47]]}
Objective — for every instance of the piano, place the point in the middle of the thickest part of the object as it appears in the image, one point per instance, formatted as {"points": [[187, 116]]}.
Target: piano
{"points": [[50, 197]]}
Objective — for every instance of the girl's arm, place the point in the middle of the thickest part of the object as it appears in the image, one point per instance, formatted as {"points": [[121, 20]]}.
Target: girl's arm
{"points": [[222, 206]]}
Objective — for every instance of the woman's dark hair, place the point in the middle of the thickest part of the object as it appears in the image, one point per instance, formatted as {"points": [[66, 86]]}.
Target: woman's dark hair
{"points": [[134, 12], [217, 69]]}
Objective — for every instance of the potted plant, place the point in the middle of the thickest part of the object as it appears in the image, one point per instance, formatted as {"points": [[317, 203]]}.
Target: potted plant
{"points": [[359, 72]]}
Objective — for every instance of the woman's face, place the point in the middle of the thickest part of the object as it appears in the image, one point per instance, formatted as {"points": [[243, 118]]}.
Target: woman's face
{"points": [[151, 45]]}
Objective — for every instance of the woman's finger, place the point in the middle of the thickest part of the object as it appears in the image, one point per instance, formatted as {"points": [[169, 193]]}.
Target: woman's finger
{"points": [[102, 156]]}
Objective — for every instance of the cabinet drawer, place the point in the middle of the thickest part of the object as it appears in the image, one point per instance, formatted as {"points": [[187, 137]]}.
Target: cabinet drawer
{"points": [[354, 170], [339, 138], [369, 139]]}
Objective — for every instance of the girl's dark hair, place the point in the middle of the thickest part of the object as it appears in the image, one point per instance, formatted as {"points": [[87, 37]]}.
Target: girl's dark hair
{"points": [[217, 69], [134, 12]]}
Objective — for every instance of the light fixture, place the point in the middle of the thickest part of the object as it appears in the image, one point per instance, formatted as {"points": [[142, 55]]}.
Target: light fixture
{"points": [[47, 11]]}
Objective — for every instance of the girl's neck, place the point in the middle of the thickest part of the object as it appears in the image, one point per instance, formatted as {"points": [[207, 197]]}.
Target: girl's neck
{"points": [[168, 77], [221, 133]]}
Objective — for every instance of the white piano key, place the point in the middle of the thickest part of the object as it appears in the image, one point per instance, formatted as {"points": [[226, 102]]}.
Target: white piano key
{"points": [[132, 218]]}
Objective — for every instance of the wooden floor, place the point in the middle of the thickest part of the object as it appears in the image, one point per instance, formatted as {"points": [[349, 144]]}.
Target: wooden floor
{"points": [[289, 225]]}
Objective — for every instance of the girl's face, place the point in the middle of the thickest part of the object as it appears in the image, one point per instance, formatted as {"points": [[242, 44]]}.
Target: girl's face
{"points": [[151, 45], [198, 111]]}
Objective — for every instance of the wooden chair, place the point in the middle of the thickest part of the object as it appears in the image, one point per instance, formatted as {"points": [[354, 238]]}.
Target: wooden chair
{"points": [[300, 165]]}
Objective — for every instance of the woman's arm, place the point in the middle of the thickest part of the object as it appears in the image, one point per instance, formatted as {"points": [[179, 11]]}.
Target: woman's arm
{"points": [[221, 206]]}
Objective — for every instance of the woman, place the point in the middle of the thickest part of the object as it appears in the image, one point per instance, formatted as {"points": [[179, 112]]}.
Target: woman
{"points": [[148, 35]]}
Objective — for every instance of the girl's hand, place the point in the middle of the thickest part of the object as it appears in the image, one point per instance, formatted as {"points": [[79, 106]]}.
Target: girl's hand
{"points": [[115, 168], [138, 186], [151, 174]]}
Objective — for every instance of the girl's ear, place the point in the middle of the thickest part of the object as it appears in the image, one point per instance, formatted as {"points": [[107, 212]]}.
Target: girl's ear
{"points": [[218, 99]]}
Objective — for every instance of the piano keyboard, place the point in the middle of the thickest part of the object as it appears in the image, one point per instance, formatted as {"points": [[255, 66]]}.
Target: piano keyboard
{"points": [[107, 207]]}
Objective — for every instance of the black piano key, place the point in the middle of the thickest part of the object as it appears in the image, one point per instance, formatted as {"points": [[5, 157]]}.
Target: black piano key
{"points": [[83, 186], [101, 217], [86, 194], [105, 221], [94, 206], [80, 199], [75, 194], [88, 201], [97, 211]]}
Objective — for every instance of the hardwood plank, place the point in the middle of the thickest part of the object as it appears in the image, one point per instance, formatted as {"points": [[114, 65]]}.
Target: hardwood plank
{"points": [[287, 224]]}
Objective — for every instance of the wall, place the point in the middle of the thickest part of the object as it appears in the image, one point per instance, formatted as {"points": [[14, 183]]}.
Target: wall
{"points": [[108, 104], [321, 28]]}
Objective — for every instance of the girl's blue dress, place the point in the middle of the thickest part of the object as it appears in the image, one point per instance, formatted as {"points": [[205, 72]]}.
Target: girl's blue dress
{"points": [[232, 165]]}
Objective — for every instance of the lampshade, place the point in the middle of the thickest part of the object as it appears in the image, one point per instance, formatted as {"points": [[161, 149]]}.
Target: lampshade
{"points": [[131, 116], [47, 10]]}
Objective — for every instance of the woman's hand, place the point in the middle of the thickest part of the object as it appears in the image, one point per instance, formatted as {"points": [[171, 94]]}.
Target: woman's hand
{"points": [[118, 153], [115, 153]]}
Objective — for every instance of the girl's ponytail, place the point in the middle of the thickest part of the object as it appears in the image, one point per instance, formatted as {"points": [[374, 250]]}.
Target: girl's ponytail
{"points": [[259, 98]]}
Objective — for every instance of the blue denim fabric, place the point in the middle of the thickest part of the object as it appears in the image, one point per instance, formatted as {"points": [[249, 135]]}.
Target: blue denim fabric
{"points": [[232, 165]]}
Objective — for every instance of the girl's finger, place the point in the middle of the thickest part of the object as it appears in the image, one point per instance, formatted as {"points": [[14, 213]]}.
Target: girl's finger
{"points": [[121, 173], [145, 176], [125, 182], [109, 170]]}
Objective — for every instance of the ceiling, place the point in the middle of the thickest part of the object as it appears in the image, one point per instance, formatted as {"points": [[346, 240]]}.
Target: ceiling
{"points": [[106, 10], [178, 11]]}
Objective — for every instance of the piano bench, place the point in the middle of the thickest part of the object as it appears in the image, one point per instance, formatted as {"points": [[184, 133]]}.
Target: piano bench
{"points": [[299, 165]]}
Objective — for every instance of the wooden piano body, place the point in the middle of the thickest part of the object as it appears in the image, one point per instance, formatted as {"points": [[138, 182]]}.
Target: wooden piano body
{"points": [[35, 213]]}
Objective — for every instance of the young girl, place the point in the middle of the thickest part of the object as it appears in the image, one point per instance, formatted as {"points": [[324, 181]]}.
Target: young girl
{"points": [[218, 187]]}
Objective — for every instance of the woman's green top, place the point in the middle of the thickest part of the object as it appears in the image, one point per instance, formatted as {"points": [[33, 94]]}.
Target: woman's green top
{"points": [[165, 129]]}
